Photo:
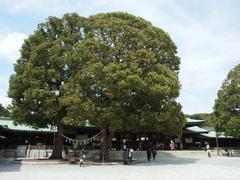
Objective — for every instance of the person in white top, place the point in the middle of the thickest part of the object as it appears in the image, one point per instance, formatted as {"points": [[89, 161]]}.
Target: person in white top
{"points": [[130, 154], [208, 150]]}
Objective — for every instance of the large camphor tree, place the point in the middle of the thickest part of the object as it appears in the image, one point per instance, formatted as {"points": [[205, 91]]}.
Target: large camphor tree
{"points": [[227, 104], [127, 78], [114, 71]]}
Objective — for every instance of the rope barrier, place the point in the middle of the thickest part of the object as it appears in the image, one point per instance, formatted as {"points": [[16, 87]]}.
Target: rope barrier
{"points": [[81, 142]]}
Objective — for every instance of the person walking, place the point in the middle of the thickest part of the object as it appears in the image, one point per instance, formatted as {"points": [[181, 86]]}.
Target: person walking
{"points": [[130, 154], [82, 158], [230, 152], [125, 156], [154, 152], [149, 152], [208, 150], [172, 145]]}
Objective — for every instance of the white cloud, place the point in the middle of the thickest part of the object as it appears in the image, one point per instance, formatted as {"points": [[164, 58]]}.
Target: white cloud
{"points": [[43, 6], [4, 99], [208, 52], [10, 45], [83, 7], [208, 45], [51, 7], [3, 80]]}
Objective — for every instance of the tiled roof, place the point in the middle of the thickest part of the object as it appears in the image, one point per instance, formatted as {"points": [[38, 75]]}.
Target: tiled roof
{"points": [[196, 129], [212, 134], [8, 123], [193, 121]]}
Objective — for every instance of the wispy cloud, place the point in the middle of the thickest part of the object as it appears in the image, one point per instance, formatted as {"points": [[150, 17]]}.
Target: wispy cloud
{"points": [[42, 6], [10, 45], [4, 100], [53, 7]]}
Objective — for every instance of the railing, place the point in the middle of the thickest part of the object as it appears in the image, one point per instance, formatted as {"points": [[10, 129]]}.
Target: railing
{"points": [[45, 151], [25, 151]]}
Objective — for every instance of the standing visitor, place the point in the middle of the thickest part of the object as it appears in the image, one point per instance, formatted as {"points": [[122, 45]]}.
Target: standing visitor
{"points": [[125, 156], [208, 150], [82, 158], [149, 151], [154, 152], [230, 152], [172, 145], [130, 154]]}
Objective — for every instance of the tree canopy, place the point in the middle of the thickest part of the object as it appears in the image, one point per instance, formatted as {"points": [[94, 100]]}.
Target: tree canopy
{"points": [[127, 77], [227, 104], [114, 70]]}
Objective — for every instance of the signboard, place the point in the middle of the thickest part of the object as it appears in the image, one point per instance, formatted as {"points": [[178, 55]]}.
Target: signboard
{"points": [[177, 140], [188, 140]]}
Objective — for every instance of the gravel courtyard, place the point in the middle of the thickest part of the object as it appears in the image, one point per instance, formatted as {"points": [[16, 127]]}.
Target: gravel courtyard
{"points": [[164, 168]]}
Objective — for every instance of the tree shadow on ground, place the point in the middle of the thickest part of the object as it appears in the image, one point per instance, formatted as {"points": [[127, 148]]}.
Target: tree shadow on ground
{"points": [[10, 167], [167, 161], [165, 158]]}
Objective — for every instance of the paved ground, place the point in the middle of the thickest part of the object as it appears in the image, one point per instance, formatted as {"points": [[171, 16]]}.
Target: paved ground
{"points": [[164, 168]]}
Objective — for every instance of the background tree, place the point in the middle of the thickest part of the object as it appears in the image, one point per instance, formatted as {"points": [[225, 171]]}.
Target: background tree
{"points": [[227, 104], [127, 78]]}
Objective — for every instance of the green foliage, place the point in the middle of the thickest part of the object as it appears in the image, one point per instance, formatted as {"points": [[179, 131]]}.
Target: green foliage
{"points": [[209, 117], [42, 70], [114, 70], [227, 104], [4, 112], [127, 77]]}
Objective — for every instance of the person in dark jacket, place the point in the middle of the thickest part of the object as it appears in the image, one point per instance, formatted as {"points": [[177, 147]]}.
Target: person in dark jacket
{"points": [[125, 156], [154, 152], [149, 151]]}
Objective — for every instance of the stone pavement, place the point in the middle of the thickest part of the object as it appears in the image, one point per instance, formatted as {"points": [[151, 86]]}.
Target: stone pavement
{"points": [[177, 167]]}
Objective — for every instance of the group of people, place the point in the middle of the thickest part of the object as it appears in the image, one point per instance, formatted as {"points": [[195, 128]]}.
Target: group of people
{"points": [[127, 155], [227, 152], [152, 152]]}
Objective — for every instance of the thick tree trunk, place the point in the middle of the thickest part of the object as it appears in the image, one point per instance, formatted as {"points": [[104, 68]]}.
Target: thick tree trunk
{"points": [[58, 144], [106, 140], [109, 139], [181, 143]]}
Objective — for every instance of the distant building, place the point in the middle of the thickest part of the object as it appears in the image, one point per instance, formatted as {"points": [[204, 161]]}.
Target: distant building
{"points": [[195, 136], [24, 137]]}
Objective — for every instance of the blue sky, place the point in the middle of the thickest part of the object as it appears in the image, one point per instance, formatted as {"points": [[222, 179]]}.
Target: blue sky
{"points": [[206, 32]]}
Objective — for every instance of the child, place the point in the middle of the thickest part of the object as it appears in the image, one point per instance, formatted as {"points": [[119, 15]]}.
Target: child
{"points": [[130, 153], [81, 159]]}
